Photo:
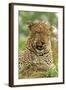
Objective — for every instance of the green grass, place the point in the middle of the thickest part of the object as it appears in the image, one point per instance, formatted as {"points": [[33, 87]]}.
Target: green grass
{"points": [[40, 74]]}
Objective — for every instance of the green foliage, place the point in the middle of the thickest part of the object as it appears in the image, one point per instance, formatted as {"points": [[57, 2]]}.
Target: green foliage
{"points": [[22, 44]]}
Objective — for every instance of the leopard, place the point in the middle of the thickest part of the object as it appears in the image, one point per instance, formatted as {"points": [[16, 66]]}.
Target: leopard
{"points": [[37, 55]]}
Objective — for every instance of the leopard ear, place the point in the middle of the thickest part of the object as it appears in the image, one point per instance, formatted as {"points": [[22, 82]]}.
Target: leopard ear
{"points": [[29, 23], [53, 31]]}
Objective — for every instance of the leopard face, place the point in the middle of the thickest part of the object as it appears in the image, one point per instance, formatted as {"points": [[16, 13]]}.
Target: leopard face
{"points": [[39, 38]]}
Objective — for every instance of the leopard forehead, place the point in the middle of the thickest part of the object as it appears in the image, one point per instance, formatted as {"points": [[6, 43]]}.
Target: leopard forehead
{"points": [[39, 27]]}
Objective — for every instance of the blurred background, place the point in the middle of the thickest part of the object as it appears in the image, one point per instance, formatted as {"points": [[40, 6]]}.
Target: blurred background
{"points": [[51, 18]]}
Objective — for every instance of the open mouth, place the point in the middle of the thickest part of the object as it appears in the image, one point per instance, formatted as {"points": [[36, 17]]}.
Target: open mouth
{"points": [[40, 50]]}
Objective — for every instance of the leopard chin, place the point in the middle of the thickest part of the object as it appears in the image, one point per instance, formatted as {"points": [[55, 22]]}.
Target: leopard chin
{"points": [[41, 52]]}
